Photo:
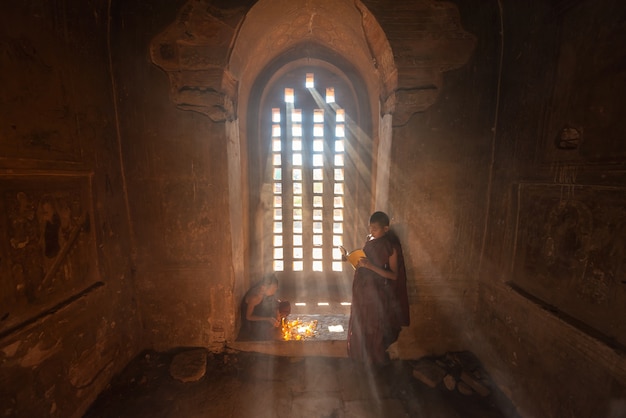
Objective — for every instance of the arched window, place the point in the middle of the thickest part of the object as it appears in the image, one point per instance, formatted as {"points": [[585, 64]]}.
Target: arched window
{"points": [[315, 181]]}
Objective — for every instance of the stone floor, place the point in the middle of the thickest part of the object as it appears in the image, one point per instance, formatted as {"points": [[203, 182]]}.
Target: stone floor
{"points": [[240, 384]]}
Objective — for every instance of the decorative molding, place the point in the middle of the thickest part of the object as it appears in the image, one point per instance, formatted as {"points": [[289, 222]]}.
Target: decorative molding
{"points": [[194, 52], [438, 43]]}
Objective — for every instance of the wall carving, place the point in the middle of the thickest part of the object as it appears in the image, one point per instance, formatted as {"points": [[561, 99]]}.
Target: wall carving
{"points": [[571, 254], [47, 254]]}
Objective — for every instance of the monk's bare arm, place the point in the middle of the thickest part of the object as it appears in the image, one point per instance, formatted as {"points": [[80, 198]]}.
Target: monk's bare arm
{"points": [[391, 274], [253, 301]]}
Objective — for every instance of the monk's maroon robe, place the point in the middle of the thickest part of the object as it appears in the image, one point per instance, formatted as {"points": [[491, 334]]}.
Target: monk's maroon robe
{"points": [[379, 306]]}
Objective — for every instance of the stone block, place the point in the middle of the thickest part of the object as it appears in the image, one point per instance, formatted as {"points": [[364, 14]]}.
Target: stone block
{"points": [[189, 366], [476, 386], [428, 373]]}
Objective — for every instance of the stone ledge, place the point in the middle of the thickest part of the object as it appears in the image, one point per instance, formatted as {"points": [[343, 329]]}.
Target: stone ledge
{"points": [[293, 348]]}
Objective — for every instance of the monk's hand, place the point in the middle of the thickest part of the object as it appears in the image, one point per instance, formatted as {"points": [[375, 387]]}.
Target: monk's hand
{"points": [[364, 262]]}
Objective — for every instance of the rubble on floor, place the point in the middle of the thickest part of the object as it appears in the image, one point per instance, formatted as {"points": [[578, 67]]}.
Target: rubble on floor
{"points": [[460, 371], [189, 365]]}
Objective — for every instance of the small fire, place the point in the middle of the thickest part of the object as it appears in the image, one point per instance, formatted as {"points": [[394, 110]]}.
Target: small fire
{"points": [[296, 330]]}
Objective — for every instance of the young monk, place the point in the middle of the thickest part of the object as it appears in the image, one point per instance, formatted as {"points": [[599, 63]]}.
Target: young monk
{"points": [[261, 311], [379, 298]]}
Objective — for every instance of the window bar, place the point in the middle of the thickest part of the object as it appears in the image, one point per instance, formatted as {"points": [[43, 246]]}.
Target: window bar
{"points": [[297, 184], [289, 161], [318, 161], [338, 188]]}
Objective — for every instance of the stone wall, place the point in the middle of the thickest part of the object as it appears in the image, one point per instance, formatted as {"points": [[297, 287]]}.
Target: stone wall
{"points": [[68, 316], [552, 295], [177, 169], [439, 178]]}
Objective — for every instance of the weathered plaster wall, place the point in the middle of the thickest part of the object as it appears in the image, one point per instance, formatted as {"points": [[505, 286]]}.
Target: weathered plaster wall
{"points": [[68, 317], [552, 296], [177, 169]]}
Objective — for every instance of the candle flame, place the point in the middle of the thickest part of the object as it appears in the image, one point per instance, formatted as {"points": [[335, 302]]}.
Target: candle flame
{"points": [[298, 330]]}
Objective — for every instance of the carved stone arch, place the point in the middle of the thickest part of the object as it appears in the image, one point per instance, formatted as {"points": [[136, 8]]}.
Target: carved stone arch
{"points": [[208, 51]]}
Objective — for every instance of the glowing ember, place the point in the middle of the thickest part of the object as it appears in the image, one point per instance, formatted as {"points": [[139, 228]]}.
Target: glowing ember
{"points": [[297, 330]]}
